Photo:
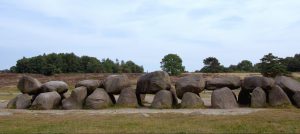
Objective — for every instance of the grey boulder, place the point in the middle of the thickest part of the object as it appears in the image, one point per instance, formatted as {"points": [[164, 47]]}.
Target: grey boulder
{"points": [[191, 83], [162, 100], [99, 99], [191, 100], [289, 85], [58, 86], [91, 85], [29, 85], [22, 101], [113, 84], [250, 83], [278, 98], [258, 98], [12, 103], [232, 82], [223, 98], [127, 98], [46, 101], [153, 82], [76, 99]]}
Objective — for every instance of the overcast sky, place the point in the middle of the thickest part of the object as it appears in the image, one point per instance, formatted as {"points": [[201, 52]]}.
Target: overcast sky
{"points": [[146, 30]]}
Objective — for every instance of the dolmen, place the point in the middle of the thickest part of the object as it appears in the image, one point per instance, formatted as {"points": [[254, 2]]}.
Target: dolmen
{"points": [[38, 96], [255, 92], [100, 94], [88, 94], [260, 92]]}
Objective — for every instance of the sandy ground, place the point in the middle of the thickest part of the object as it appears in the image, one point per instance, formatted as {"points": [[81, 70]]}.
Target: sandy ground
{"points": [[143, 111]]}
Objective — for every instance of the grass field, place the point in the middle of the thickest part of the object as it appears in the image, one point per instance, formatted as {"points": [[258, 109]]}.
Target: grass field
{"points": [[268, 121]]}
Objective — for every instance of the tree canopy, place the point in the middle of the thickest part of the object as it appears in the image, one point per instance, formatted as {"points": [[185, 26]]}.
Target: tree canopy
{"points": [[70, 63], [272, 66], [212, 65], [172, 64], [49, 64], [245, 66], [269, 66], [292, 63]]}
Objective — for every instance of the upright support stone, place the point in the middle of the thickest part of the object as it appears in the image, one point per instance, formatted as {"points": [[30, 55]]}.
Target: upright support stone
{"points": [[223, 98], [191, 100], [162, 100], [278, 98], [258, 98]]}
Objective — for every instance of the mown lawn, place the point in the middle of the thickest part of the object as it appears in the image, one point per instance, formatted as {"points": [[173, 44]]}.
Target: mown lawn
{"points": [[268, 121]]}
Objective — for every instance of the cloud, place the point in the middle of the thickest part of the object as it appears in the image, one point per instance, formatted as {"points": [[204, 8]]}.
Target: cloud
{"points": [[146, 30]]}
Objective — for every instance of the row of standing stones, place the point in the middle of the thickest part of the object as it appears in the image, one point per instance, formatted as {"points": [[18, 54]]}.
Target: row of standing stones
{"points": [[256, 91]]}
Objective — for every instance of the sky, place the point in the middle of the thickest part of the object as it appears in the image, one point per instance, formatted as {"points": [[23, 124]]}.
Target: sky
{"points": [[144, 31]]}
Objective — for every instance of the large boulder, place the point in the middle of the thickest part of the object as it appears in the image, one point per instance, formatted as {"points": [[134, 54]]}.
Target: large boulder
{"points": [[232, 82], [191, 83], [152, 83], [250, 83], [76, 100], [12, 103], [162, 100], [58, 86], [296, 99], [29, 85], [223, 98], [22, 101], [46, 101], [244, 97], [191, 100], [113, 84], [127, 98], [258, 98], [289, 85], [278, 98], [99, 99], [91, 85]]}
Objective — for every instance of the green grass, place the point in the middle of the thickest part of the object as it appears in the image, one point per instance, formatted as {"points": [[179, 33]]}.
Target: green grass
{"points": [[269, 121]]}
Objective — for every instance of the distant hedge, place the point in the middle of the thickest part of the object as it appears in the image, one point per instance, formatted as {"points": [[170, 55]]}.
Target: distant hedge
{"points": [[49, 64]]}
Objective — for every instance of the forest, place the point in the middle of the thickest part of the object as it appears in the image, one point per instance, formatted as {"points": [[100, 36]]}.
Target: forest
{"points": [[49, 64]]}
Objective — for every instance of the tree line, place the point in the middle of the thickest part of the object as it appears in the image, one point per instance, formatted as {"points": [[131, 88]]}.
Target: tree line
{"points": [[53, 63], [269, 65], [49, 64]]}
